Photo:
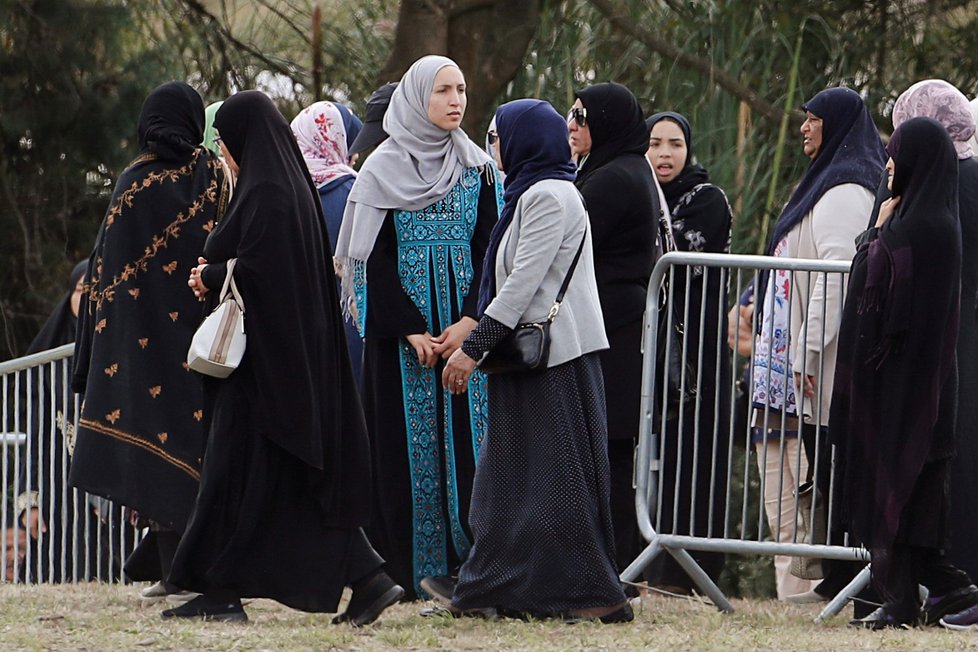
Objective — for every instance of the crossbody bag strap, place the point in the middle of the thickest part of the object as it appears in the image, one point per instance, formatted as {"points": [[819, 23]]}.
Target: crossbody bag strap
{"points": [[570, 272]]}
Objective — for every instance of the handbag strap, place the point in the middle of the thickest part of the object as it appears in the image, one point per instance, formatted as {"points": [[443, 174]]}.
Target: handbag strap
{"points": [[229, 284], [567, 278]]}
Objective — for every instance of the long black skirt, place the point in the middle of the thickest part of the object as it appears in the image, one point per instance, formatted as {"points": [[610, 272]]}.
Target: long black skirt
{"points": [[540, 510], [257, 528]]}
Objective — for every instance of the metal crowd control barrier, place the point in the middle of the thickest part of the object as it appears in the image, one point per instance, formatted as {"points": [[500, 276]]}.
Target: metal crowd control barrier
{"points": [[79, 537], [704, 461]]}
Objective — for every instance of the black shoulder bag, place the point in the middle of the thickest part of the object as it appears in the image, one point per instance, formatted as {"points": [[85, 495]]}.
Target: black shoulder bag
{"points": [[527, 347]]}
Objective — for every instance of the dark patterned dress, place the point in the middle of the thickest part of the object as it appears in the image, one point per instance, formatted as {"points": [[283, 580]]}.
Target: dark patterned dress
{"points": [[142, 428], [423, 275]]}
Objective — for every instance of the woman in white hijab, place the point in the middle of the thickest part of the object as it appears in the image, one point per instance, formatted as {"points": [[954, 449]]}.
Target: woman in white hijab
{"points": [[410, 251]]}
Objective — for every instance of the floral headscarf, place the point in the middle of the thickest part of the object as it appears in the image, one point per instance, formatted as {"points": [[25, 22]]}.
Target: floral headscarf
{"points": [[321, 136], [937, 99]]}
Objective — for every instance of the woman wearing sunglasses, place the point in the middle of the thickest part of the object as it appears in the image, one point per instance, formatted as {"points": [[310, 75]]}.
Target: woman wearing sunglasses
{"points": [[608, 136]]}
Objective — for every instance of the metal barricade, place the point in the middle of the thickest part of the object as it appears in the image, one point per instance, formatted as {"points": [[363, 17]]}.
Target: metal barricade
{"points": [[686, 483], [78, 537]]}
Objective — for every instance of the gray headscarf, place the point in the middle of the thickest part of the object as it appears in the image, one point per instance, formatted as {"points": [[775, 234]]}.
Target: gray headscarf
{"points": [[418, 165], [937, 99]]}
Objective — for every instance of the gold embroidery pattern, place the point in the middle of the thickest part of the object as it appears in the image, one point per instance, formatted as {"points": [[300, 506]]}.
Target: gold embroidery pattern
{"points": [[172, 231], [113, 416], [112, 369], [162, 436], [143, 342], [174, 316], [134, 293], [142, 443], [126, 197], [155, 391], [170, 267]]}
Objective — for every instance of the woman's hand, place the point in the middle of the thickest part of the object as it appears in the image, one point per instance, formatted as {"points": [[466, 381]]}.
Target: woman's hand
{"points": [[740, 331], [423, 346], [458, 370], [887, 209], [196, 283], [452, 337]]}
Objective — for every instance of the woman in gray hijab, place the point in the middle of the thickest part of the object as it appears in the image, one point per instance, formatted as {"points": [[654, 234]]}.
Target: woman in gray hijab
{"points": [[410, 252]]}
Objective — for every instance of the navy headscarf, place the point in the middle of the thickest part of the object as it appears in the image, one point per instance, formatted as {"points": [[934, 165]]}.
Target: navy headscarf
{"points": [[351, 123], [533, 146], [851, 152]]}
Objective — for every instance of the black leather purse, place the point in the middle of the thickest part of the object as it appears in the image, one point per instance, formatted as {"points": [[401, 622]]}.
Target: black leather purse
{"points": [[527, 347]]}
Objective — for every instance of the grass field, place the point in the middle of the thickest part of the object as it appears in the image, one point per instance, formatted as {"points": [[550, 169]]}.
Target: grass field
{"points": [[100, 617]]}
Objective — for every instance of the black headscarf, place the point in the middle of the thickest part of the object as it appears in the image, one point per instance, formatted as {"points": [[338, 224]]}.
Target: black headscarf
{"points": [[616, 123], [692, 174], [533, 145], [171, 124], [851, 152], [897, 341], [296, 365], [60, 327]]}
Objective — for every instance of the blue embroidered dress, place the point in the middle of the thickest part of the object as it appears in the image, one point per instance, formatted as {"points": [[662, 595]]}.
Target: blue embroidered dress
{"points": [[422, 276]]}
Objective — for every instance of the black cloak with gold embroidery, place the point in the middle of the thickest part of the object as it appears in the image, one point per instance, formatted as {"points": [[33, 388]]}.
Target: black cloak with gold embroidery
{"points": [[142, 428]]}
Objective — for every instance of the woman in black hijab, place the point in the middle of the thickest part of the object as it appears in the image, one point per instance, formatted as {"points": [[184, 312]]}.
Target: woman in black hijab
{"points": [[609, 137], [285, 485], [141, 432], [62, 547], [700, 220], [896, 383]]}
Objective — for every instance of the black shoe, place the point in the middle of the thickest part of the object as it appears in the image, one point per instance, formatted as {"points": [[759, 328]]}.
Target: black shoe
{"points": [[880, 619], [369, 600], [440, 589], [953, 602], [204, 608]]}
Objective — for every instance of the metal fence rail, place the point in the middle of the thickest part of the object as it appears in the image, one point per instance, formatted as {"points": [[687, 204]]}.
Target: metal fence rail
{"points": [[690, 495], [78, 537]]}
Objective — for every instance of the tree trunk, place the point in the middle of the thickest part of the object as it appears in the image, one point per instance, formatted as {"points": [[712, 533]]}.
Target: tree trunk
{"points": [[487, 38]]}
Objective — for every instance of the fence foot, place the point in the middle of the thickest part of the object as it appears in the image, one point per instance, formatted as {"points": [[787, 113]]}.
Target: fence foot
{"points": [[702, 580], [839, 601], [635, 568]]}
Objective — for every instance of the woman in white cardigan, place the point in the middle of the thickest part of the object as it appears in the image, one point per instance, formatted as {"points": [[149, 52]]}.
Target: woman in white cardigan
{"points": [[540, 515]]}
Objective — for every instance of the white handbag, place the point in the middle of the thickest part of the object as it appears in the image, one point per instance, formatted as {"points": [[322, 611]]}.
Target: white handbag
{"points": [[219, 342]]}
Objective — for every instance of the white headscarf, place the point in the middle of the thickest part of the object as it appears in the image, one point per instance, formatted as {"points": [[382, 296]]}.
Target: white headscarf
{"points": [[418, 165], [938, 99], [321, 136]]}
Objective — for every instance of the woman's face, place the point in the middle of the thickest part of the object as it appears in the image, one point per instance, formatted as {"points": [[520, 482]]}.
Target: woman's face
{"points": [[890, 166], [76, 295], [579, 134], [446, 106], [667, 150], [226, 155], [811, 132]]}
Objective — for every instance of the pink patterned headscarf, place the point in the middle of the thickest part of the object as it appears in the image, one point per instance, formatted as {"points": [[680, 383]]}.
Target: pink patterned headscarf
{"points": [[321, 136], [937, 99]]}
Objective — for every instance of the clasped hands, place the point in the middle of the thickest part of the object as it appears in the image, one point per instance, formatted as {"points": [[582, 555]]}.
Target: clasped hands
{"points": [[446, 346]]}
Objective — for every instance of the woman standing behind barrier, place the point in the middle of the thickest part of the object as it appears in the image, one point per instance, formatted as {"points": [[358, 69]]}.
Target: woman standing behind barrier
{"points": [[893, 411], [609, 137], [411, 248], [544, 543], [59, 522], [820, 221], [285, 484], [700, 220]]}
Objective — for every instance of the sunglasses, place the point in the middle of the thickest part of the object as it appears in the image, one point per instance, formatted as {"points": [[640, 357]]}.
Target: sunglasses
{"points": [[579, 115], [492, 137]]}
